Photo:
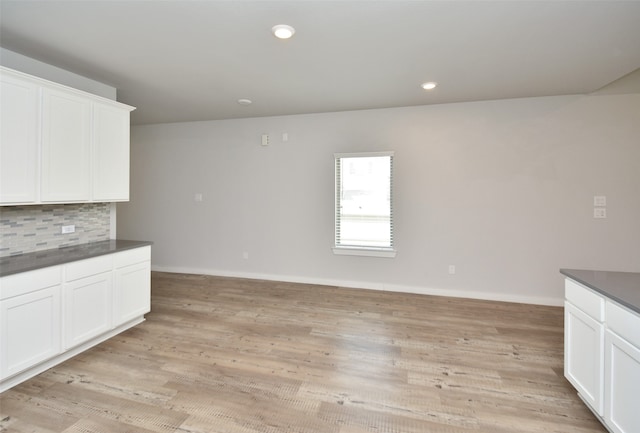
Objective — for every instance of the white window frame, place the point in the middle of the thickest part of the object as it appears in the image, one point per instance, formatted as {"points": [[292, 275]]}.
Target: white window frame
{"points": [[354, 250]]}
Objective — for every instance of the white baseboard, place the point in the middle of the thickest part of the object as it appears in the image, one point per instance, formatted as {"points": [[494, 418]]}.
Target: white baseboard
{"points": [[469, 294]]}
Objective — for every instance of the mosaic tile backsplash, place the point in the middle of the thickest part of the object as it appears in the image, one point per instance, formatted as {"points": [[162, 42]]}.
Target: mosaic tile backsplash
{"points": [[25, 229]]}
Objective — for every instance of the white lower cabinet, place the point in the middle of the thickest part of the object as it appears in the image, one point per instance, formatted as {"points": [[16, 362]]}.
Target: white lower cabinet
{"points": [[87, 308], [88, 291], [30, 329], [622, 371], [132, 297], [584, 343], [51, 314], [602, 356]]}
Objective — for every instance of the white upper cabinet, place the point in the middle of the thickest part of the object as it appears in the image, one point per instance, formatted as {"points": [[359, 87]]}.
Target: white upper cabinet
{"points": [[110, 153], [19, 140], [61, 145], [66, 135]]}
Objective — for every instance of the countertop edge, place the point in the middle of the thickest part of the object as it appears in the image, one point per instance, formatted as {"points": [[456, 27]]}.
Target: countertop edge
{"points": [[18, 264], [571, 273]]}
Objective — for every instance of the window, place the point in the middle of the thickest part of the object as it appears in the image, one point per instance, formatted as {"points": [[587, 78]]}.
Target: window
{"points": [[364, 212]]}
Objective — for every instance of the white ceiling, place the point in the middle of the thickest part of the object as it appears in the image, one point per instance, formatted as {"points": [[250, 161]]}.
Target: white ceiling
{"points": [[192, 60]]}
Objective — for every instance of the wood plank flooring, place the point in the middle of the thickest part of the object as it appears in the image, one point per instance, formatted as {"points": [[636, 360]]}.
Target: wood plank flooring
{"points": [[224, 355]]}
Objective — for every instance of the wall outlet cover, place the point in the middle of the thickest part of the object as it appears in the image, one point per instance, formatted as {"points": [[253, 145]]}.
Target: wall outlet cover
{"points": [[68, 229]]}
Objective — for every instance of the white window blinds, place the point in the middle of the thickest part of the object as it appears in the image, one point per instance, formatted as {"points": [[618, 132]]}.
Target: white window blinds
{"points": [[364, 202]]}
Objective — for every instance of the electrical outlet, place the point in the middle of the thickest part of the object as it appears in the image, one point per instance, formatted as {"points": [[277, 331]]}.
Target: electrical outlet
{"points": [[245, 255], [452, 269], [68, 229]]}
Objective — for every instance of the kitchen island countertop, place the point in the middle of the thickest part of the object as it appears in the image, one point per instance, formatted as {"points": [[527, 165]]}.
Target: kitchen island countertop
{"points": [[622, 287]]}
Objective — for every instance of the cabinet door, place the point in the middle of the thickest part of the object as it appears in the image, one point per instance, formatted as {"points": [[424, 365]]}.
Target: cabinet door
{"points": [[18, 141], [622, 384], [583, 355], [132, 297], [30, 331], [88, 303], [110, 153], [66, 135]]}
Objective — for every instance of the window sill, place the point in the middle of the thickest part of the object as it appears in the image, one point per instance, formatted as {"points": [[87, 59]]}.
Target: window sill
{"points": [[368, 252]]}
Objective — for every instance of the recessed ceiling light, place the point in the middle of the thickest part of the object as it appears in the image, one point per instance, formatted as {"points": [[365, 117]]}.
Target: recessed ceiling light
{"points": [[244, 101], [283, 31], [429, 85]]}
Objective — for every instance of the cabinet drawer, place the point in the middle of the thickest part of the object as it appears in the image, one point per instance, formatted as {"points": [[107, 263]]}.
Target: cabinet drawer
{"points": [[85, 268], [132, 257], [624, 323], [26, 282], [585, 299]]}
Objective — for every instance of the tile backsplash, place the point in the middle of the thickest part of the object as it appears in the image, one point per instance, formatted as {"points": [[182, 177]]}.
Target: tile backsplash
{"points": [[25, 229]]}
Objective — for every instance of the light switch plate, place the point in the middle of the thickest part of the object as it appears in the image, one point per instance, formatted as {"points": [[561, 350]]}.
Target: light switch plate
{"points": [[599, 212], [600, 200]]}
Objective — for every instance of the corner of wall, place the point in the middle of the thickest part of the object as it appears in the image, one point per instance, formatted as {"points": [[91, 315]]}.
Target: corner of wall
{"points": [[43, 70]]}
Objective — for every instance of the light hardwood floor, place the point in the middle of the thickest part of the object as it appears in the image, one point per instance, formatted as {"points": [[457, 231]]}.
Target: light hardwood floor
{"points": [[232, 355]]}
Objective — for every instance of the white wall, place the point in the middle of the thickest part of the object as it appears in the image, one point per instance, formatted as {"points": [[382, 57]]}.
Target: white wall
{"points": [[503, 190]]}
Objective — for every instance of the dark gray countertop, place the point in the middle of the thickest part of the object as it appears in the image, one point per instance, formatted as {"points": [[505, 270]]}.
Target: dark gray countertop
{"points": [[58, 256], [622, 287]]}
